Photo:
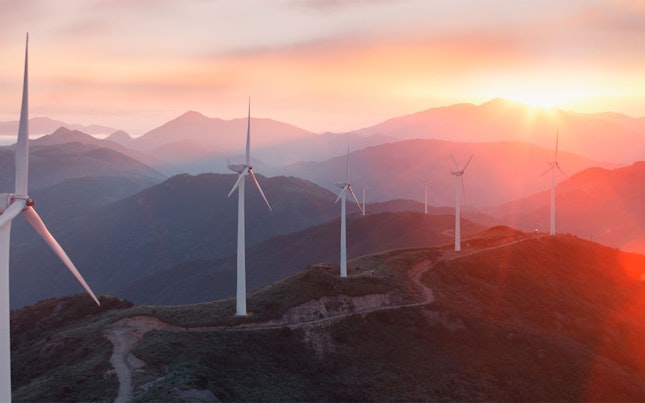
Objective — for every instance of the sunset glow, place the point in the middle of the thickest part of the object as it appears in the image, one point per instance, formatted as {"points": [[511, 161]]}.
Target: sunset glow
{"points": [[318, 64]]}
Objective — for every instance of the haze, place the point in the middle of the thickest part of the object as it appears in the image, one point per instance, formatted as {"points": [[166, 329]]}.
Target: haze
{"points": [[322, 65]]}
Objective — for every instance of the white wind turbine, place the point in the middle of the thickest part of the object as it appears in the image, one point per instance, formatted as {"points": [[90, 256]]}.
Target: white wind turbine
{"points": [[11, 205], [243, 170], [554, 164], [459, 172], [344, 186]]}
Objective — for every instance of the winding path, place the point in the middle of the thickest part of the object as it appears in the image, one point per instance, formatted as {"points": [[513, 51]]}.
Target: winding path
{"points": [[126, 333]]}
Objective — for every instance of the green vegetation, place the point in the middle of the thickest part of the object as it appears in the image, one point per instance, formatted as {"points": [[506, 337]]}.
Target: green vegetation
{"points": [[58, 351], [519, 317]]}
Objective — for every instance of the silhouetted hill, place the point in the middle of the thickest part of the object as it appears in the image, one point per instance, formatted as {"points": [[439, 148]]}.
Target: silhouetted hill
{"points": [[316, 148], [181, 219], [63, 135], [44, 125], [187, 143], [602, 137], [515, 317], [607, 206], [284, 255], [499, 172], [52, 164], [120, 137]]}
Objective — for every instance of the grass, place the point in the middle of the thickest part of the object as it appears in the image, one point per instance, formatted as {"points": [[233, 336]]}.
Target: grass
{"points": [[543, 319]]}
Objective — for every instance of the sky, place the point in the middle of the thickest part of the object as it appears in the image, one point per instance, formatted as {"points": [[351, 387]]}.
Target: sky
{"points": [[322, 65]]}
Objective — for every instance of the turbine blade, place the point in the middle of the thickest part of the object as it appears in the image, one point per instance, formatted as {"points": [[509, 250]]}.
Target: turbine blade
{"points": [[240, 178], [22, 146], [555, 157], [341, 193], [468, 162], [455, 162], [548, 170], [347, 168], [260, 189], [248, 136], [12, 211], [561, 171], [36, 222], [349, 187]]}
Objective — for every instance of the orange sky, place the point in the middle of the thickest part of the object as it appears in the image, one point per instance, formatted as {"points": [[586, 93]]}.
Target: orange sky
{"points": [[318, 64]]}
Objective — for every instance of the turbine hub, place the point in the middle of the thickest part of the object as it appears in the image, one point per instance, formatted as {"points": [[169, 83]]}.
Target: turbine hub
{"points": [[28, 200]]}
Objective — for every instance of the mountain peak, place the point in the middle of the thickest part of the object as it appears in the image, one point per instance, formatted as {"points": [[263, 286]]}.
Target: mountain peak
{"points": [[502, 103], [120, 137], [64, 135], [192, 116]]}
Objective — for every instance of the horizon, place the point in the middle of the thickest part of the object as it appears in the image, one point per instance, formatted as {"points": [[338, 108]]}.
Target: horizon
{"points": [[8, 139], [320, 65]]}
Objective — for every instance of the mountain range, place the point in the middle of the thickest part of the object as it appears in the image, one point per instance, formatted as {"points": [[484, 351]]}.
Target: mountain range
{"points": [[605, 137], [515, 316], [284, 255], [499, 171], [44, 125], [105, 202], [605, 205], [184, 218]]}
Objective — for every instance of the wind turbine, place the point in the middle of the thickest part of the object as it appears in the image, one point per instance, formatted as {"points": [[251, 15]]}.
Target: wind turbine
{"points": [[459, 172], [345, 187], [243, 170], [554, 164], [12, 204]]}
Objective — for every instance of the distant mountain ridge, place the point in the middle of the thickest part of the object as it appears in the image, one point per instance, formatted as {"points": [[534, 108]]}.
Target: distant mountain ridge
{"points": [[607, 137], [194, 143], [282, 256], [499, 171], [44, 125], [606, 205], [183, 218]]}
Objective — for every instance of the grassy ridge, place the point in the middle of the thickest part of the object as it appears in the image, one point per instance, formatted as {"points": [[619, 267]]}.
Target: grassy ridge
{"points": [[516, 317]]}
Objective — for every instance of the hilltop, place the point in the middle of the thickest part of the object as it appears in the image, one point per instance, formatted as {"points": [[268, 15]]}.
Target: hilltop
{"points": [[515, 316]]}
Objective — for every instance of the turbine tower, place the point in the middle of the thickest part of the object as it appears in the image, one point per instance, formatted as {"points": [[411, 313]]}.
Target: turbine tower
{"points": [[12, 204], [554, 164], [426, 197], [345, 187], [459, 172], [243, 170], [364, 188]]}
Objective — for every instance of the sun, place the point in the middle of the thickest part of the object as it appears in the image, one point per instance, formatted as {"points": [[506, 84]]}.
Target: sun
{"points": [[544, 93], [538, 100]]}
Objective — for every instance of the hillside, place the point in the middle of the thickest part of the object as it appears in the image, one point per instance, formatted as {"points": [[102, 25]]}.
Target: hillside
{"points": [[514, 317], [603, 137], [499, 172], [44, 125], [191, 142], [600, 204], [182, 219], [282, 256], [52, 163]]}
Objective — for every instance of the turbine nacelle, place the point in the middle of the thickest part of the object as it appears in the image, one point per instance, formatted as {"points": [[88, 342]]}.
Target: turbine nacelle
{"points": [[239, 168]]}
